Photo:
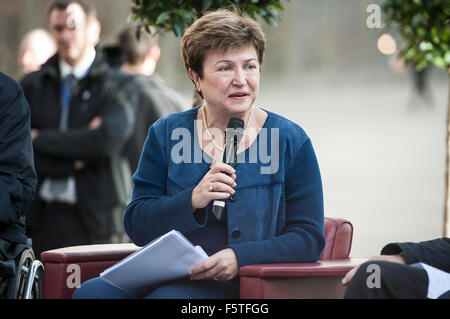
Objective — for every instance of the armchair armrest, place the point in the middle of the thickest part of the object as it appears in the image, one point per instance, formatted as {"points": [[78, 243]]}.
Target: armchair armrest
{"points": [[104, 252], [66, 267], [296, 280]]}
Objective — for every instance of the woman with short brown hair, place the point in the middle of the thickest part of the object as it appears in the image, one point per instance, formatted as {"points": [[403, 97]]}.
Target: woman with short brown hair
{"points": [[272, 204]]}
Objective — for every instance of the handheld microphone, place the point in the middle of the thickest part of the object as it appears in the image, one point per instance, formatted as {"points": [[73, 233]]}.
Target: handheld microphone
{"points": [[233, 135]]}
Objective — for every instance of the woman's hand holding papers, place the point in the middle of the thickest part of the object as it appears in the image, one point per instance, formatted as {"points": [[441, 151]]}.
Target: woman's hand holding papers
{"points": [[222, 265]]}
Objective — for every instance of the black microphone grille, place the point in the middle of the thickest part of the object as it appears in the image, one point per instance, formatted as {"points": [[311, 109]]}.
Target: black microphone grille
{"points": [[235, 123]]}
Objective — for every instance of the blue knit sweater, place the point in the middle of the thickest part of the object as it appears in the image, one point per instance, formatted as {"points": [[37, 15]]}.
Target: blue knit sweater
{"points": [[277, 214]]}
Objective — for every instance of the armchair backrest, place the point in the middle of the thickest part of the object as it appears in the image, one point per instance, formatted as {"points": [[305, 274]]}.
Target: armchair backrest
{"points": [[338, 237]]}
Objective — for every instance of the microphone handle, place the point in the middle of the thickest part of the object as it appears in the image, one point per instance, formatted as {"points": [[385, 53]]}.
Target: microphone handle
{"points": [[219, 204]]}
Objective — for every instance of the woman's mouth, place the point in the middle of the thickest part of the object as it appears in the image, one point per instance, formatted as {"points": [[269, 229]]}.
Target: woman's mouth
{"points": [[238, 95]]}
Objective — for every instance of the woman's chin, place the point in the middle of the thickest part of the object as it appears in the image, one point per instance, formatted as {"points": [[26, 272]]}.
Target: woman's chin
{"points": [[240, 106]]}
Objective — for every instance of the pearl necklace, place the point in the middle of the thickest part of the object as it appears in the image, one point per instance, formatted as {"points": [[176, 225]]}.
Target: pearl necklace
{"points": [[209, 134]]}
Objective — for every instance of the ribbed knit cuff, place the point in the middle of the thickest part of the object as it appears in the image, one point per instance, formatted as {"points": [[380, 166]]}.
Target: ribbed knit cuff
{"points": [[181, 202], [246, 253]]}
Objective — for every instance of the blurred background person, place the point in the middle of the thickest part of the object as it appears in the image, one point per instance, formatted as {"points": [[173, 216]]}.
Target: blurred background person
{"points": [[422, 95], [155, 97], [80, 121], [36, 47]]}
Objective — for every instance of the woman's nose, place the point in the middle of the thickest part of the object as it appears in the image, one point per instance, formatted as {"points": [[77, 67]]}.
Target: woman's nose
{"points": [[239, 77]]}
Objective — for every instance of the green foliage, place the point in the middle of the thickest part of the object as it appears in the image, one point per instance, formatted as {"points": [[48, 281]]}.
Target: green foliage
{"points": [[425, 28], [177, 15]]}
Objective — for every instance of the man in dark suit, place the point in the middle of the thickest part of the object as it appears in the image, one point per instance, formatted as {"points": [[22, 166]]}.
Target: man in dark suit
{"points": [[154, 97], [17, 174], [80, 121]]}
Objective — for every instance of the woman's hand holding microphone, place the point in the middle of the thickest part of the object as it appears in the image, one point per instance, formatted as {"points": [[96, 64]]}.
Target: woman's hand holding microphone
{"points": [[214, 185]]}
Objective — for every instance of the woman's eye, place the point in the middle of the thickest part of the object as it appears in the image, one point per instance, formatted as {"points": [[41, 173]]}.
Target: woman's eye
{"points": [[251, 67], [224, 68]]}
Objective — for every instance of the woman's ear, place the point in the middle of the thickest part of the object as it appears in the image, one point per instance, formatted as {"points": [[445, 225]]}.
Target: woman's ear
{"points": [[195, 78]]}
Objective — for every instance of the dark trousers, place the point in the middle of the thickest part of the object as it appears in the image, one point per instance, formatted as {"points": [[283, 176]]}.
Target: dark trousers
{"points": [[397, 281], [57, 225]]}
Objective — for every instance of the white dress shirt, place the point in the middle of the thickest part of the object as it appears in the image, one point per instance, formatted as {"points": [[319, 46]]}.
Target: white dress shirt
{"points": [[80, 70]]}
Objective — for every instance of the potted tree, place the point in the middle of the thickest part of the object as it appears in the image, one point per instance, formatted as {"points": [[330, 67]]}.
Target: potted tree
{"points": [[424, 26]]}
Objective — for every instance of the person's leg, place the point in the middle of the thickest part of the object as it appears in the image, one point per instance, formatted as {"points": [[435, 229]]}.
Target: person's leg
{"points": [[396, 281], [197, 289], [97, 288]]}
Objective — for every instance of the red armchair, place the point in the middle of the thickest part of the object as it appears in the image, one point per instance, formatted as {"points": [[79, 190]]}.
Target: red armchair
{"points": [[67, 267], [305, 280]]}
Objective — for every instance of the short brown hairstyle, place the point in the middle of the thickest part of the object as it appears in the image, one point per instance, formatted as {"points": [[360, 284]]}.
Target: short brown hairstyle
{"points": [[135, 50], [220, 30], [88, 8]]}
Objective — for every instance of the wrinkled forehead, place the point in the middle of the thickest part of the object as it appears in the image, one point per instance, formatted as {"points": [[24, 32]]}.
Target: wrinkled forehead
{"points": [[70, 17], [236, 54]]}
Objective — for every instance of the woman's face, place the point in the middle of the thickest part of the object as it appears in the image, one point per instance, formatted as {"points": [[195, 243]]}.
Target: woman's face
{"points": [[230, 80]]}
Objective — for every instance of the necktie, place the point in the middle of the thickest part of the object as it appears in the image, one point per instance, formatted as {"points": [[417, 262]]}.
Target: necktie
{"points": [[69, 84], [60, 189], [70, 81]]}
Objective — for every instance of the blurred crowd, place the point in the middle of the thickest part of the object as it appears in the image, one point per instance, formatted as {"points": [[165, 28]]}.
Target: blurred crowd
{"points": [[91, 108]]}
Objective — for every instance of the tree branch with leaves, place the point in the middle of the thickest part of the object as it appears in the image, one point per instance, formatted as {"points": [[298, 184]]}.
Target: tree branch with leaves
{"points": [[176, 15]]}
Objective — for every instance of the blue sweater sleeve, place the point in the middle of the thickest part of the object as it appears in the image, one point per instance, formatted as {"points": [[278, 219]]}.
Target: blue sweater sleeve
{"points": [[151, 213], [302, 239]]}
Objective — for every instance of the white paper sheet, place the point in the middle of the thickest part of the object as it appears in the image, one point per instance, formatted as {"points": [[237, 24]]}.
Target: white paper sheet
{"points": [[165, 258]]}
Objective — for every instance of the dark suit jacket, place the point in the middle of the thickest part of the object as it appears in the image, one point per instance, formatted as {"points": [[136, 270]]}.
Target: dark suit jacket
{"points": [[102, 184], [435, 252], [154, 100], [17, 174]]}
